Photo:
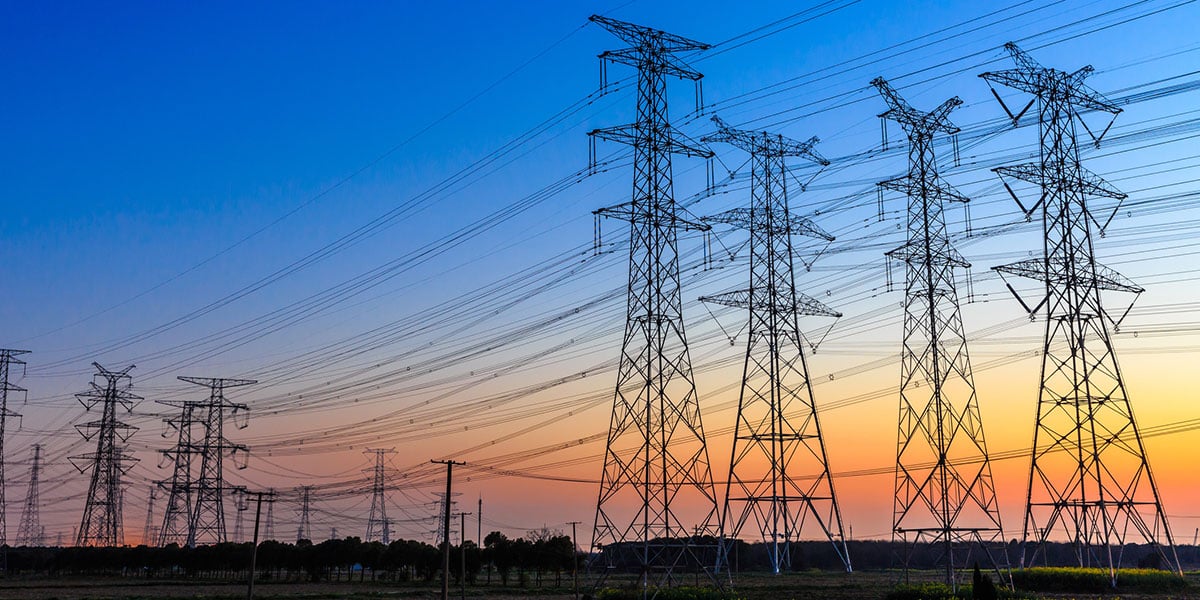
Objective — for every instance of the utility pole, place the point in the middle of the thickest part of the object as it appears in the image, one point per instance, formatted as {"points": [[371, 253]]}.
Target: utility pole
{"points": [[101, 523], [270, 496], [462, 551], [945, 495], [777, 434], [446, 526], [8, 358], [31, 533], [208, 513], [655, 455], [1100, 489], [574, 560], [377, 520], [177, 516]]}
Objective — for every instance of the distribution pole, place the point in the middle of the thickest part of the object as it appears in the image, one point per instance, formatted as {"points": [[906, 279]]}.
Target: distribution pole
{"points": [[574, 561], [101, 524], [777, 433], [945, 495], [462, 551], [270, 495], [1089, 478], [656, 457], [8, 358], [446, 526]]}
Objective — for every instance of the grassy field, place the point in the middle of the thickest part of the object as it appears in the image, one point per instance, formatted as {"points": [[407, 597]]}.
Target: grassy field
{"points": [[809, 584]]}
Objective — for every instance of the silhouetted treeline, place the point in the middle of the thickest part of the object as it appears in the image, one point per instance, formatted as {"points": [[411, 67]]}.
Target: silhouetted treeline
{"points": [[544, 558], [520, 561]]}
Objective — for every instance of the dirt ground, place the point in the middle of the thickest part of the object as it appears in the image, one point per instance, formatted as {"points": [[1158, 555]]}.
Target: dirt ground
{"points": [[817, 585]]}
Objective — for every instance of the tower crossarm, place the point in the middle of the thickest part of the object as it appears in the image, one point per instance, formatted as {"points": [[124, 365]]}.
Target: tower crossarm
{"points": [[741, 218], [912, 119], [803, 305], [669, 139], [625, 212], [907, 185], [649, 45], [1087, 183], [916, 254], [222, 382], [764, 143], [1081, 274], [1030, 76]]}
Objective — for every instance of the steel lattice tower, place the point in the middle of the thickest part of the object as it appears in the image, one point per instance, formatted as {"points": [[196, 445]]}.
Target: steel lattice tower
{"points": [[945, 495], [101, 524], [777, 434], [208, 511], [304, 531], [378, 525], [240, 503], [269, 529], [655, 456], [30, 531], [148, 534], [1089, 478], [8, 358], [177, 515]]}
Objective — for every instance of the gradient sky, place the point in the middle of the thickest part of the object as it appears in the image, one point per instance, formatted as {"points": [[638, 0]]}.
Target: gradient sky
{"points": [[181, 180]]}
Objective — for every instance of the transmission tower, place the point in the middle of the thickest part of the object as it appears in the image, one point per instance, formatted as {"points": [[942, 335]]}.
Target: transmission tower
{"points": [[208, 512], [777, 434], [304, 532], [30, 531], [8, 358], [269, 529], [1089, 478], [148, 534], [240, 503], [655, 456], [945, 496], [377, 523], [101, 524], [177, 515]]}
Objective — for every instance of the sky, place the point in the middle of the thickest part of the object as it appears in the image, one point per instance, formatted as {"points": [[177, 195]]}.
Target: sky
{"points": [[382, 213]]}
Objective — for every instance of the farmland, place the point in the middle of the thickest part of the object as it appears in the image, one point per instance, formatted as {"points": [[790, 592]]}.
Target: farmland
{"points": [[808, 584]]}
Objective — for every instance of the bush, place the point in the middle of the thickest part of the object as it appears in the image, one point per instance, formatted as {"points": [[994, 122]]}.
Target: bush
{"points": [[927, 591], [679, 593], [1075, 579]]}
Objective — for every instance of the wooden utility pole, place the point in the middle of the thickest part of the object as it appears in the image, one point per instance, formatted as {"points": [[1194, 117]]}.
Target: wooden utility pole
{"points": [[574, 561], [462, 547], [254, 550], [446, 526]]}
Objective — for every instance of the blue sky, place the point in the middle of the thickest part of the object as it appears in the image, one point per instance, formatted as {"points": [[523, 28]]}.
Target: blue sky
{"points": [[159, 157]]}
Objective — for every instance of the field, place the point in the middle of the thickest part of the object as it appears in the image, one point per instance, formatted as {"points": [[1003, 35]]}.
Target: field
{"points": [[809, 584]]}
